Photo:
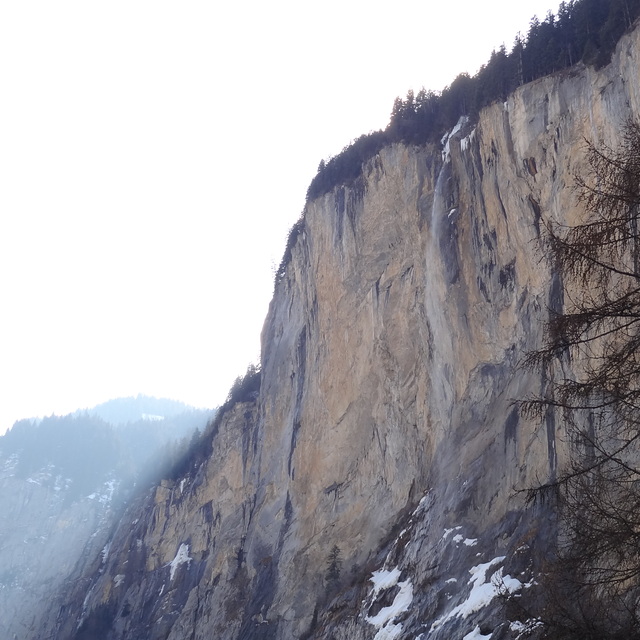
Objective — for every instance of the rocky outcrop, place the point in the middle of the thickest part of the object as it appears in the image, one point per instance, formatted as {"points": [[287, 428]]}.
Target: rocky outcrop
{"points": [[372, 487]]}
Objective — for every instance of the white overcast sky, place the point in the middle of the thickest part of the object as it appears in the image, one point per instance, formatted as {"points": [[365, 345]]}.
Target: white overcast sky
{"points": [[153, 156]]}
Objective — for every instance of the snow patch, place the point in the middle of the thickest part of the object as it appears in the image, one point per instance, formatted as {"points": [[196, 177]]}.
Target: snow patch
{"points": [[476, 635], [9, 466], [389, 632], [384, 579], [85, 604], [448, 532], [466, 142], [458, 538], [182, 557], [400, 604], [107, 493], [384, 620], [482, 592], [109, 490], [524, 629], [446, 139], [118, 580], [105, 552]]}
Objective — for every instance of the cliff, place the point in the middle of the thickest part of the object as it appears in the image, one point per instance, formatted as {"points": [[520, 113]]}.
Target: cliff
{"points": [[372, 487]]}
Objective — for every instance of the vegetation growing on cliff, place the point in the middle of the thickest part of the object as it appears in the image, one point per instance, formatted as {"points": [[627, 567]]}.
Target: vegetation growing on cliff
{"points": [[292, 238], [334, 569], [583, 30], [592, 357], [245, 388]]}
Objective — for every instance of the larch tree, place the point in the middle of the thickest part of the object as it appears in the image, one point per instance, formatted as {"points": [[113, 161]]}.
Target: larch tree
{"points": [[591, 356]]}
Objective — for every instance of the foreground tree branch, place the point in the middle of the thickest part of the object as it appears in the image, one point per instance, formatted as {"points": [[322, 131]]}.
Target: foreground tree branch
{"points": [[591, 356]]}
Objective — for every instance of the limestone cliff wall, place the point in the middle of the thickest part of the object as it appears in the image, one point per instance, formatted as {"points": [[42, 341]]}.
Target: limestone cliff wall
{"points": [[385, 420]]}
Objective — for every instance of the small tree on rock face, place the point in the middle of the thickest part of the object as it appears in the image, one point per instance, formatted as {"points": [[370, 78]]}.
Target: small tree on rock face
{"points": [[593, 345], [334, 568]]}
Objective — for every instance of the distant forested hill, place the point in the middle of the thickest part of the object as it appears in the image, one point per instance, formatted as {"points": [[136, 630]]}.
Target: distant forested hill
{"points": [[120, 411], [128, 440]]}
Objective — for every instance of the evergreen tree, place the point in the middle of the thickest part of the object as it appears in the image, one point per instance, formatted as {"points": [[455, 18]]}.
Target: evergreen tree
{"points": [[583, 30], [334, 568], [593, 346]]}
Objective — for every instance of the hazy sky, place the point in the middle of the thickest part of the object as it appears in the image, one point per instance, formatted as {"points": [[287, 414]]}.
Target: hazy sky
{"points": [[153, 156]]}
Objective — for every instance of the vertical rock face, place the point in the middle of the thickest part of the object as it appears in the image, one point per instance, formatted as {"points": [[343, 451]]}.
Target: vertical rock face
{"points": [[372, 487]]}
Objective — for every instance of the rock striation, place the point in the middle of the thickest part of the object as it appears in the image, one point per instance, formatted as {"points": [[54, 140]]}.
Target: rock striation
{"points": [[371, 490]]}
